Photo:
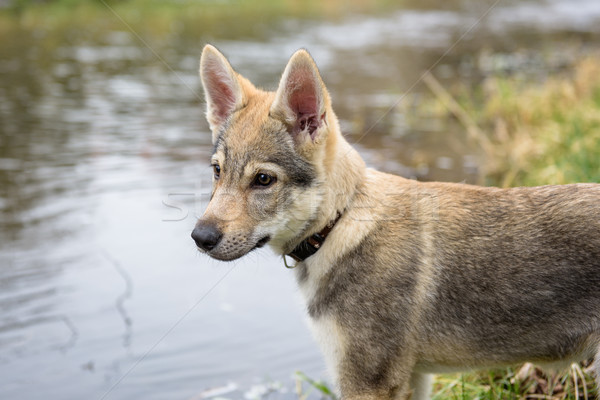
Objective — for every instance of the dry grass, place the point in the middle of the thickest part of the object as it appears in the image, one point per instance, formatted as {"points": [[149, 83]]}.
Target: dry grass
{"points": [[525, 383]]}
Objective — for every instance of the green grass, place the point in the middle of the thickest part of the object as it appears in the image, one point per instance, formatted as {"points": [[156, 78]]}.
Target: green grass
{"points": [[305, 386], [525, 382], [542, 134]]}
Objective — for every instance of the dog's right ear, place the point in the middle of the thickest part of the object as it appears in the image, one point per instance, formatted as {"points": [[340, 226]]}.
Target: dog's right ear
{"points": [[222, 88]]}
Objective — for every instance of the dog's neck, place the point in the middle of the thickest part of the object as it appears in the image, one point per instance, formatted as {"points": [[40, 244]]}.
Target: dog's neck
{"points": [[343, 172]]}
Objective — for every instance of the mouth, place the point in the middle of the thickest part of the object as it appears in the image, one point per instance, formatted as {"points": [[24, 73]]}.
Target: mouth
{"points": [[230, 256], [262, 242]]}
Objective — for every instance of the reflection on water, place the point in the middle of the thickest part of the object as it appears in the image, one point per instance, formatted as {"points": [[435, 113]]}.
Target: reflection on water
{"points": [[104, 167]]}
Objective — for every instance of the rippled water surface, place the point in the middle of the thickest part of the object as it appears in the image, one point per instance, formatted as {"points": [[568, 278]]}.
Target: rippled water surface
{"points": [[104, 167]]}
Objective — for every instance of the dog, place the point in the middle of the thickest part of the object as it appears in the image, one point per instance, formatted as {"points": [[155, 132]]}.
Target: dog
{"points": [[401, 279]]}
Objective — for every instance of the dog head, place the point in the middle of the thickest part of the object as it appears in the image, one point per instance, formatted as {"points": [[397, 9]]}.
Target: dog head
{"points": [[269, 156]]}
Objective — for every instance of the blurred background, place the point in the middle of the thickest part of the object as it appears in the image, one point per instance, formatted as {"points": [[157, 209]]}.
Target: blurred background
{"points": [[104, 167]]}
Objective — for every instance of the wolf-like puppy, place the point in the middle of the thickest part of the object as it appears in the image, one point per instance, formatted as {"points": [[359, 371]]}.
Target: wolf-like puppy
{"points": [[401, 279]]}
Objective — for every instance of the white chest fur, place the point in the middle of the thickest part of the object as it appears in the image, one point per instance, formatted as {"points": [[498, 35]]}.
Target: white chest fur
{"points": [[325, 330]]}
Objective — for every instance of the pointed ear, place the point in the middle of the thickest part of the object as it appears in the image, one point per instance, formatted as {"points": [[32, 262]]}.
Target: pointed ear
{"points": [[222, 88], [300, 101]]}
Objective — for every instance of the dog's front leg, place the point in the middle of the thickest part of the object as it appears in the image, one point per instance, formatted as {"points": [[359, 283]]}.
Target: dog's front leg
{"points": [[392, 394], [392, 382], [420, 386]]}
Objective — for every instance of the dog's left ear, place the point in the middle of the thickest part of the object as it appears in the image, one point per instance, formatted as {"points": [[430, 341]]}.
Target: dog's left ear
{"points": [[300, 101]]}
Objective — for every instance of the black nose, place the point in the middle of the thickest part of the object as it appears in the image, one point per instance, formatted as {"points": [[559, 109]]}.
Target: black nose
{"points": [[206, 236]]}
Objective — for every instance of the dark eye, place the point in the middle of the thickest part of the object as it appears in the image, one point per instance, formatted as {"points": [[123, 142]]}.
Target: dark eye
{"points": [[263, 180], [216, 170]]}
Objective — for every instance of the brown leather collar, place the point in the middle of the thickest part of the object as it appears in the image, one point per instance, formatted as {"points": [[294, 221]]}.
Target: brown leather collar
{"points": [[311, 244]]}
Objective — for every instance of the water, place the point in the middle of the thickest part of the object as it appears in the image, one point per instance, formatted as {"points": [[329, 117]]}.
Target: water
{"points": [[104, 168]]}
